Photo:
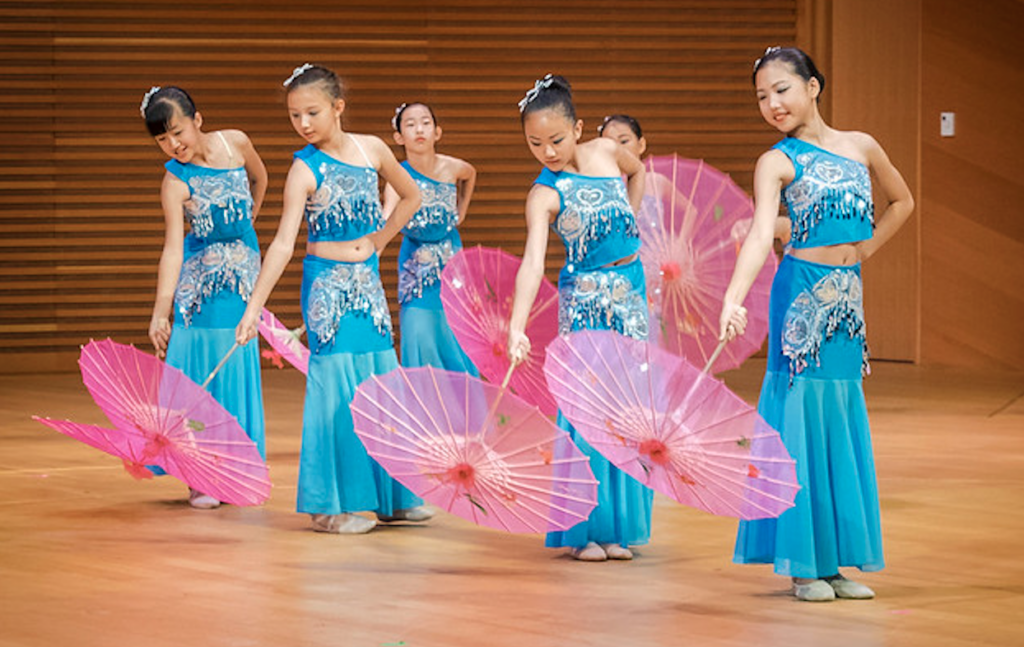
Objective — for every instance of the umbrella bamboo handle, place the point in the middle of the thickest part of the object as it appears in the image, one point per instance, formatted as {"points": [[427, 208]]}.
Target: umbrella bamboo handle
{"points": [[714, 356], [220, 365], [508, 376]]}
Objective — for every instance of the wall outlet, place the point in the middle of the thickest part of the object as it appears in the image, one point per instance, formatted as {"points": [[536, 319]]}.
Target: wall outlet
{"points": [[947, 124]]}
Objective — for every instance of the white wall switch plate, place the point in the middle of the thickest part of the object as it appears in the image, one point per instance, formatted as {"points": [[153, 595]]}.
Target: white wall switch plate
{"points": [[947, 124]]}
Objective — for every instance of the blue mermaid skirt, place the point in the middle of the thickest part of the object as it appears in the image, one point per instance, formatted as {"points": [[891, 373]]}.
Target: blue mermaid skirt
{"points": [[349, 329], [427, 340], [611, 298], [196, 349], [813, 395]]}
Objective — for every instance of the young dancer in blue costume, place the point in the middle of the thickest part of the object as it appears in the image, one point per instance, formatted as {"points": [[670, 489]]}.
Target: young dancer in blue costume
{"points": [[812, 392], [431, 239], [581, 194], [217, 181], [333, 185]]}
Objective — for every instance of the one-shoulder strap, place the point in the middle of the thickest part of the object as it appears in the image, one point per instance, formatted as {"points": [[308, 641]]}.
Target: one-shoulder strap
{"points": [[360, 147], [231, 152]]}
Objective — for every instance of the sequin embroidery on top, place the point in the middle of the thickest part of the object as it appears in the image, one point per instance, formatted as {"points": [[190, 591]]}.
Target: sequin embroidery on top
{"points": [[423, 269], [437, 215], [593, 208], [827, 187], [223, 198], [345, 289], [219, 267], [346, 200], [833, 305], [602, 300]]}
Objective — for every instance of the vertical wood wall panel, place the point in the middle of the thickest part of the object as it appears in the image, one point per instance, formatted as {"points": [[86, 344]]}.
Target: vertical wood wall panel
{"points": [[875, 87], [80, 223]]}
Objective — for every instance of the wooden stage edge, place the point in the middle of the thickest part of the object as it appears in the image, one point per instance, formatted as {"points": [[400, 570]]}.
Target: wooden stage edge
{"points": [[90, 557]]}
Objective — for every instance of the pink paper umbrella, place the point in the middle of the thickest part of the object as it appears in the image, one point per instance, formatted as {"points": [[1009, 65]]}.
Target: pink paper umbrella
{"points": [[671, 426], [131, 450], [181, 427], [284, 342], [477, 287], [692, 223], [474, 450]]}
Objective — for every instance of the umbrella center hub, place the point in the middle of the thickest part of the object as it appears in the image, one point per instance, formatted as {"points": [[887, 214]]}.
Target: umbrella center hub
{"points": [[656, 450], [671, 271], [462, 474]]}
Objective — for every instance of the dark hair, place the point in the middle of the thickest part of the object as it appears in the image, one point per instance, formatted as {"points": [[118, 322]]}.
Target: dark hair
{"points": [[633, 124], [308, 74], [396, 121], [801, 64], [158, 108], [552, 92]]}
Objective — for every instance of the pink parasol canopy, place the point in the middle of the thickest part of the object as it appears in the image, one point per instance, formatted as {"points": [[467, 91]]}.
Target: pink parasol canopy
{"points": [[474, 450], [689, 224], [477, 287], [178, 424], [130, 450], [284, 342], [671, 426]]}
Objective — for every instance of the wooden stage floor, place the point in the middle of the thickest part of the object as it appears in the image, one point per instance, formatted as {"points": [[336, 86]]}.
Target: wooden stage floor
{"points": [[89, 556]]}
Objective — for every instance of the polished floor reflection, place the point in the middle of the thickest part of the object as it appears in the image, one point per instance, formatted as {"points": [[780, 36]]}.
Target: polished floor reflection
{"points": [[89, 556]]}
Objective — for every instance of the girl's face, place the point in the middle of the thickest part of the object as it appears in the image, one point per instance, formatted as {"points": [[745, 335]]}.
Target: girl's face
{"points": [[417, 131], [552, 137], [313, 114], [623, 134], [180, 140], [787, 102]]}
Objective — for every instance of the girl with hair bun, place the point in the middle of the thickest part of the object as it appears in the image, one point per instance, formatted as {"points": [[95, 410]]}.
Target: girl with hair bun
{"points": [[431, 238], [216, 181], [812, 391], [601, 244], [333, 185]]}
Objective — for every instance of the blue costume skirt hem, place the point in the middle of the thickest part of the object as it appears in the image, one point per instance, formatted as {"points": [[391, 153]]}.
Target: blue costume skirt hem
{"points": [[623, 512], [336, 475], [835, 521]]}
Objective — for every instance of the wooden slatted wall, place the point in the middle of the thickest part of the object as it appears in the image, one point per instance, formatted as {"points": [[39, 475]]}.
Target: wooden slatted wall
{"points": [[79, 210]]}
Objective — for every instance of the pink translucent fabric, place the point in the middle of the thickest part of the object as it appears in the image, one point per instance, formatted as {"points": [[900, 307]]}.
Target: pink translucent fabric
{"points": [[673, 428], [284, 342], [474, 450], [477, 287], [177, 423], [692, 223]]}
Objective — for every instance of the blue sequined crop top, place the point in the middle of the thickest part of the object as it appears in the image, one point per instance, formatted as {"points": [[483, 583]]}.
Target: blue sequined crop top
{"points": [[346, 205], [595, 221], [438, 214], [220, 202], [829, 200]]}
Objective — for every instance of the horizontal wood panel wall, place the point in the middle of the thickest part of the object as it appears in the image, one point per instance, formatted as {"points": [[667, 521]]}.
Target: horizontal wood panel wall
{"points": [[80, 222]]}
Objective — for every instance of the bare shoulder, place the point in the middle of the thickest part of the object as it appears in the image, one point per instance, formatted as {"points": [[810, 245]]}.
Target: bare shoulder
{"points": [[775, 162], [459, 168], [374, 146]]}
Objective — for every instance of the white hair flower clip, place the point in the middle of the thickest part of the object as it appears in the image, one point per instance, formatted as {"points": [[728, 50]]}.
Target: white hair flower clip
{"points": [[767, 51], [145, 100], [531, 94], [398, 111], [296, 73]]}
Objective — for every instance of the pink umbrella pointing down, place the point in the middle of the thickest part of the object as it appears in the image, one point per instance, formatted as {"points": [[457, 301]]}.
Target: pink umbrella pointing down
{"points": [[671, 426], [162, 417], [474, 450], [690, 224], [477, 287]]}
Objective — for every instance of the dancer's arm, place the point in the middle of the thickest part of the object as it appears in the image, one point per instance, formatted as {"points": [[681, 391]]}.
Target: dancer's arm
{"points": [[173, 194], [541, 205]]}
